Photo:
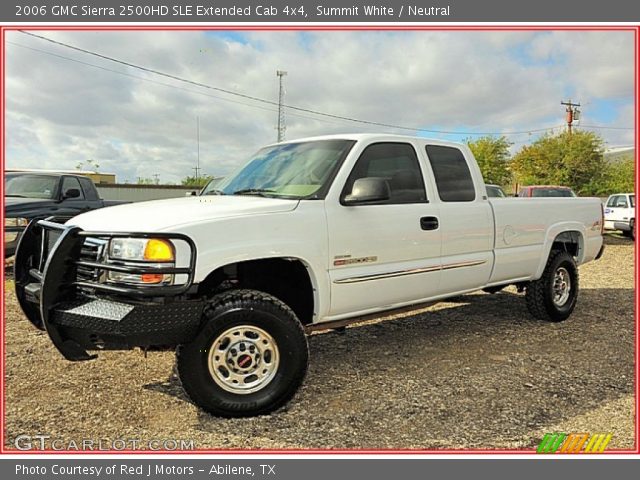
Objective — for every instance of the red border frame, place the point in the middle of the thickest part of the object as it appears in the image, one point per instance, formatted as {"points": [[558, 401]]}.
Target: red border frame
{"points": [[296, 27]]}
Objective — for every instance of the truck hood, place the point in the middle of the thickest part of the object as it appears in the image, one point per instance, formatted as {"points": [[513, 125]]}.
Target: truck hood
{"points": [[14, 206], [161, 215]]}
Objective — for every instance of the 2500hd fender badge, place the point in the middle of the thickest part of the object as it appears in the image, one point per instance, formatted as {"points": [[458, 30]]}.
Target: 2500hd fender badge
{"points": [[339, 262]]}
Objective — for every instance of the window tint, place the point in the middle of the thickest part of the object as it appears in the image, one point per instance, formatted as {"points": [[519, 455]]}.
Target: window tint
{"points": [[613, 200], [398, 164], [618, 201], [452, 174], [495, 191], [72, 182], [622, 202], [552, 192], [88, 188]]}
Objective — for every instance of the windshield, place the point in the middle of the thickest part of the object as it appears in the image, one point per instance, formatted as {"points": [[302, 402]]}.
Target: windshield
{"points": [[495, 192], [30, 186], [211, 187], [291, 170], [552, 192]]}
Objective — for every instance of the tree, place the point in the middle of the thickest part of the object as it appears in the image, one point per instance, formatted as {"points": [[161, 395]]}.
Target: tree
{"points": [[145, 181], [572, 159], [88, 164], [200, 181], [619, 177], [492, 155]]}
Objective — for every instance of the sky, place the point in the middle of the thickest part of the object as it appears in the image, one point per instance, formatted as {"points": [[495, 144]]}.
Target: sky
{"points": [[64, 106]]}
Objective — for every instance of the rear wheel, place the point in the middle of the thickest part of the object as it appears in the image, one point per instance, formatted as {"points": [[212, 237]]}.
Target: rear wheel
{"points": [[553, 297], [249, 358]]}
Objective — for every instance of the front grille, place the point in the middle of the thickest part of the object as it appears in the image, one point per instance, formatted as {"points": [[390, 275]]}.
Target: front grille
{"points": [[54, 246], [92, 251]]}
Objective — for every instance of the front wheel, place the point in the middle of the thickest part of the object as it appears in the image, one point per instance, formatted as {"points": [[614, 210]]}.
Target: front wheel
{"points": [[249, 358], [553, 297]]}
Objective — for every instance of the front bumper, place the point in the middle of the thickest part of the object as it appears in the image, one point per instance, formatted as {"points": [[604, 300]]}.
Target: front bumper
{"points": [[98, 324], [81, 313], [623, 226]]}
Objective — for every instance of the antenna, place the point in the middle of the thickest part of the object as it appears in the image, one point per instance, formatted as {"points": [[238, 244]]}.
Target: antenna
{"points": [[282, 127]]}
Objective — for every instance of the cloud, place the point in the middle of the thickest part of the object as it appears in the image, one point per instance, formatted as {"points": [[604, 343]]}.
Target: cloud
{"points": [[60, 112]]}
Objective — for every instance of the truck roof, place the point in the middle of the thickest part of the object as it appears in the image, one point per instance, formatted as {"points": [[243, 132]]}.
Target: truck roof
{"points": [[372, 136]]}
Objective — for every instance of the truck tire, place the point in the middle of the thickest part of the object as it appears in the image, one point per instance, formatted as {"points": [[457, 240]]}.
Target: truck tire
{"points": [[249, 357], [553, 297]]}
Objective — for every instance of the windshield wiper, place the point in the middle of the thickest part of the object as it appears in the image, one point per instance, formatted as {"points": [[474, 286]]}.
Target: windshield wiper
{"points": [[14, 195], [254, 191], [215, 192]]}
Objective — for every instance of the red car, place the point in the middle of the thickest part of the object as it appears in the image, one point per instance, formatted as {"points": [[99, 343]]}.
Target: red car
{"points": [[546, 191]]}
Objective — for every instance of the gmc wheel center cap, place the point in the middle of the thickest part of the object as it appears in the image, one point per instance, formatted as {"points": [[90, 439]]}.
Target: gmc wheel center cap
{"points": [[244, 361]]}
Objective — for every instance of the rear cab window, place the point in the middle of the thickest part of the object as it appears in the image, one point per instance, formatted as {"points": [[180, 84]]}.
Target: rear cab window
{"points": [[88, 188], [451, 173]]}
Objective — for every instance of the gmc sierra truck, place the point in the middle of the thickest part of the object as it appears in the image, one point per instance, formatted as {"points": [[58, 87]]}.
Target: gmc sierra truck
{"points": [[310, 234]]}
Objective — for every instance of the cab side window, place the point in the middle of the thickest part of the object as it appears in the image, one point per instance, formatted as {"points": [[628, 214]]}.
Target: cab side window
{"points": [[398, 164], [451, 173], [88, 189], [617, 201]]}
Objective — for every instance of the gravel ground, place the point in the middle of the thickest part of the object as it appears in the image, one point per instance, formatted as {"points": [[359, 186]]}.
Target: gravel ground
{"points": [[477, 372]]}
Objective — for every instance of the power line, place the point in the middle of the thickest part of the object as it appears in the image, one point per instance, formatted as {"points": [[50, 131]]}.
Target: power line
{"points": [[168, 85], [604, 127], [270, 102]]}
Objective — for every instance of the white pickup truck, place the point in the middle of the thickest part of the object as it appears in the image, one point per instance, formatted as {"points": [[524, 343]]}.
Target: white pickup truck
{"points": [[309, 234], [620, 213]]}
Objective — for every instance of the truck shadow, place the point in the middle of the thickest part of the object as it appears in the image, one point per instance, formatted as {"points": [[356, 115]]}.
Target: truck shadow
{"points": [[615, 238], [478, 372]]}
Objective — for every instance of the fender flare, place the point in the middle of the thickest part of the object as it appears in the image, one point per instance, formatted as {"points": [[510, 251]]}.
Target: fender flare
{"points": [[550, 236]]}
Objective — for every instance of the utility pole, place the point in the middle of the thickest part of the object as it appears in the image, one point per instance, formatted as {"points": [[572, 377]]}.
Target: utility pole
{"points": [[157, 178], [281, 124], [572, 113]]}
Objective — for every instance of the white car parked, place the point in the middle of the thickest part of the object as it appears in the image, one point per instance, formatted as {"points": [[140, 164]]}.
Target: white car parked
{"points": [[620, 213]]}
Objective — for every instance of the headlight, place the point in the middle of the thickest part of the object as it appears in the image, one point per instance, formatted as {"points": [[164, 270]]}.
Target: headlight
{"points": [[14, 222], [152, 251], [142, 249]]}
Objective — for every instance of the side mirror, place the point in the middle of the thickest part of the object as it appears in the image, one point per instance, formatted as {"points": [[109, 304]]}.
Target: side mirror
{"points": [[71, 193], [192, 193], [368, 190]]}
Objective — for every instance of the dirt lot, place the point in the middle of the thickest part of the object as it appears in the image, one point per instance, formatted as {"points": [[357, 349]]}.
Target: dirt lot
{"points": [[474, 373]]}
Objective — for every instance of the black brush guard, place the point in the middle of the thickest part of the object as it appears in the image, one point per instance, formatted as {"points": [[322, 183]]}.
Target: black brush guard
{"points": [[82, 314]]}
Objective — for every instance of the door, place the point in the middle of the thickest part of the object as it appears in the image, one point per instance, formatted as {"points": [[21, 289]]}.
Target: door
{"points": [[387, 253], [466, 221]]}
